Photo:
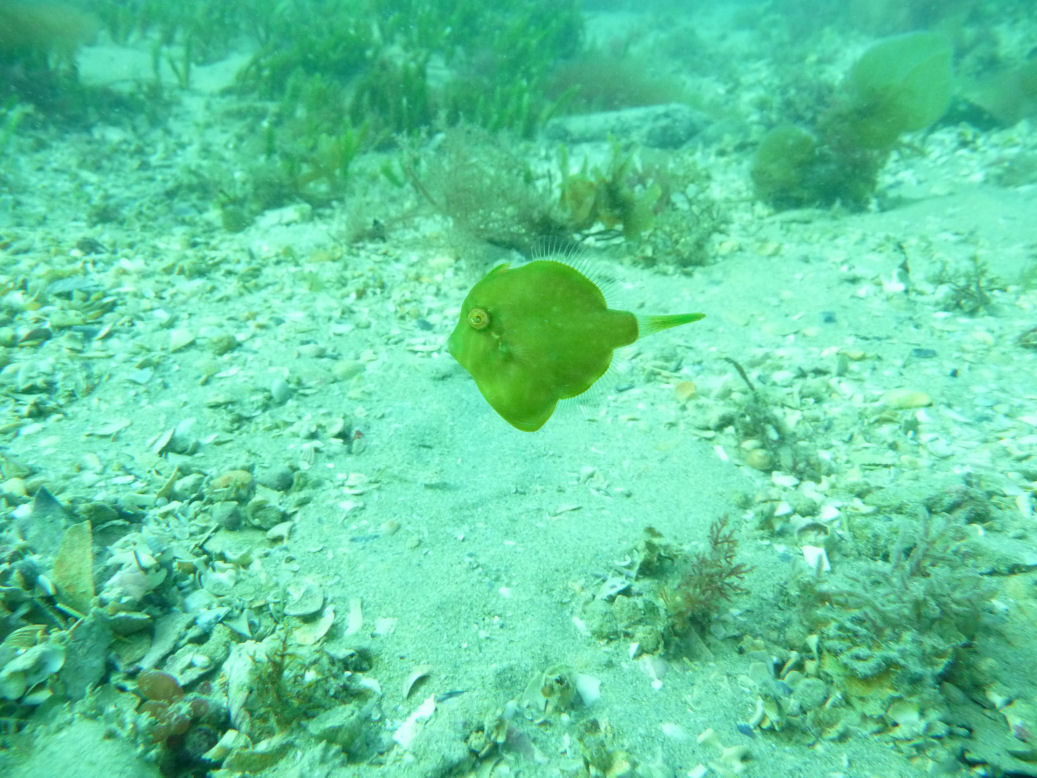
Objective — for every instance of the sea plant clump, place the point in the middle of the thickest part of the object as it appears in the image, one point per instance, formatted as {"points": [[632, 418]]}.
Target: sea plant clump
{"points": [[496, 59], [900, 84], [899, 622], [663, 595], [37, 47], [487, 191], [710, 578]]}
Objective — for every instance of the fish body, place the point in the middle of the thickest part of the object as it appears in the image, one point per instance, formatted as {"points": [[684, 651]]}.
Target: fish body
{"points": [[539, 333]]}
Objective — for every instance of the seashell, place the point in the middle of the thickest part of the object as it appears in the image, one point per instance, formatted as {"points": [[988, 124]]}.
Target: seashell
{"points": [[313, 631], [356, 617], [126, 622], [902, 399], [262, 513], [304, 599], [816, 558], [280, 391], [73, 567], [227, 514], [418, 674], [24, 637], [759, 459], [180, 338], [183, 441], [30, 668], [588, 688]]}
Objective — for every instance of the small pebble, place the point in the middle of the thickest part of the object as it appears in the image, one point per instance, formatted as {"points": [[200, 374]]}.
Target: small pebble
{"points": [[227, 514], [923, 353], [906, 398], [280, 391], [280, 479], [180, 338]]}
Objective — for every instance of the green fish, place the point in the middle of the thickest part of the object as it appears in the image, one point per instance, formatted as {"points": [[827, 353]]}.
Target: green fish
{"points": [[539, 333]]}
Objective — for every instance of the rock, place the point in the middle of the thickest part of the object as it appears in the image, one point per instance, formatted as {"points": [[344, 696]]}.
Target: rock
{"points": [[657, 126]]}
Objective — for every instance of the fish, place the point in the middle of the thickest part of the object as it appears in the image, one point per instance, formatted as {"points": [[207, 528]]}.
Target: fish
{"points": [[542, 332]]}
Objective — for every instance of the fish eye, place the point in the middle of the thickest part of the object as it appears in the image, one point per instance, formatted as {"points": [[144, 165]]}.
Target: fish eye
{"points": [[478, 318]]}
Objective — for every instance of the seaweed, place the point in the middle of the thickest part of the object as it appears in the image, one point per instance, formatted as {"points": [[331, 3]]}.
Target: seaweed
{"points": [[497, 60], [900, 84], [664, 595], [487, 191], [967, 290], [621, 196], [768, 441], [897, 627], [711, 578]]}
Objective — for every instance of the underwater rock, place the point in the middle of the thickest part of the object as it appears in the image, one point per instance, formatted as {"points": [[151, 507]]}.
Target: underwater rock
{"points": [[667, 126]]}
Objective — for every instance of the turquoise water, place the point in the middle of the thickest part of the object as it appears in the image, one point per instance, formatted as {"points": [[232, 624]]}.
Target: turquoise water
{"points": [[257, 520]]}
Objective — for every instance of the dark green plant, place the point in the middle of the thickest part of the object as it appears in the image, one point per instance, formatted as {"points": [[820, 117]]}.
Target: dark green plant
{"points": [[497, 59], [900, 84], [37, 47]]}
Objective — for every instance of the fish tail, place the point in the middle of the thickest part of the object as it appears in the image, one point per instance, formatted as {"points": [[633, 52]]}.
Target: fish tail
{"points": [[648, 325]]}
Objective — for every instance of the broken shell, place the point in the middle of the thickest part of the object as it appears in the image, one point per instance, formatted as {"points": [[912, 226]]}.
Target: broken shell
{"points": [[30, 668], [356, 617], [304, 599], [408, 730], [588, 688], [816, 558], [73, 567], [220, 580], [906, 398], [812, 533], [313, 631], [180, 338], [279, 532], [418, 674], [131, 584]]}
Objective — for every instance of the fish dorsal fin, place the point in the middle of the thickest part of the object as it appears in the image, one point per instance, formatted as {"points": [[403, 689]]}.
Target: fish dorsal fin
{"points": [[579, 258]]}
